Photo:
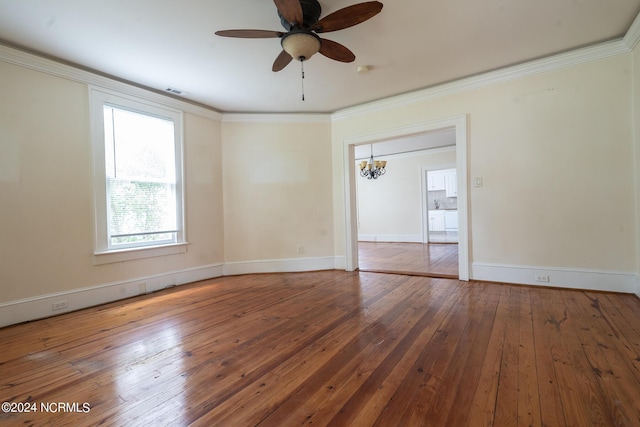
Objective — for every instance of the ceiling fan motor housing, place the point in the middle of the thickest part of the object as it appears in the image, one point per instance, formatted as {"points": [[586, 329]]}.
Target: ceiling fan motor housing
{"points": [[302, 22], [311, 11]]}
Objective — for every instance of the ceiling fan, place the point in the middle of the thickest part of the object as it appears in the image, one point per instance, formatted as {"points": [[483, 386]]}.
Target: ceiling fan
{"points": [[301, 20]]}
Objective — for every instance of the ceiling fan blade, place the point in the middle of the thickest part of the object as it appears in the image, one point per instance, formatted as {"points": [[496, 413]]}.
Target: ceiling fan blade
{"points": [[291, 10], [348, 17], [336, 51], [250, 34], [281, 61]]}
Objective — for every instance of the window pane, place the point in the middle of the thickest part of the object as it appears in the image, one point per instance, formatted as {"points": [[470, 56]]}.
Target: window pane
{"points": [[141, 178], [141, 207], [142, 147]]}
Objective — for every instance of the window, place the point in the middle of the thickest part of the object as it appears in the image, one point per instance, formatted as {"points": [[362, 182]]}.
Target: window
{"points": [[137, 150]]}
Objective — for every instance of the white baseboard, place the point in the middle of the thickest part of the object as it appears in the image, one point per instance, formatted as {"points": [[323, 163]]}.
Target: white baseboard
{"points": [[27, 309], [390, 238], [41, 306], [23, 310], [340, 263], [596, 280], [280, 265]]}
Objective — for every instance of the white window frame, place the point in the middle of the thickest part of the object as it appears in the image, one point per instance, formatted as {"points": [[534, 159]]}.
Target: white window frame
{"points": [[98, 98]]}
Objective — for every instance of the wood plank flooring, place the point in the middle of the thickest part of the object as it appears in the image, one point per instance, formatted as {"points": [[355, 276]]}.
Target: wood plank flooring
{"points": [[431, 259], [332, 348]]}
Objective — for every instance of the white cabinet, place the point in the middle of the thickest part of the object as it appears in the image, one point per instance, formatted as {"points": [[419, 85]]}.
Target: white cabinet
{"points": [[443, 180], [436, 181], [451, 184], [443, 220], [451, 220], [436, 220]]}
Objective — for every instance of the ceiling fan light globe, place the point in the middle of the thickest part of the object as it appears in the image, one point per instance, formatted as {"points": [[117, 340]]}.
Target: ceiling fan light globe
{"points": [[301, 46]]}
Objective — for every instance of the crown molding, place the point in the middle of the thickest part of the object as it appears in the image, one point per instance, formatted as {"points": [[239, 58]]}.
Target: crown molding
{"points": [[54, 68], [276, 118], [567, 59], [543, 65], [633, 34]]}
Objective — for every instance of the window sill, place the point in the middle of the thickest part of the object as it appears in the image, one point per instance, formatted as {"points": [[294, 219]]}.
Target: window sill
{"points": [[110, 257]]}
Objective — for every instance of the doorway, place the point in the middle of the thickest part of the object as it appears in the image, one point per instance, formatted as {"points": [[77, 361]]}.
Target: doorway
{"points": [[391, 207], [459, 125]]}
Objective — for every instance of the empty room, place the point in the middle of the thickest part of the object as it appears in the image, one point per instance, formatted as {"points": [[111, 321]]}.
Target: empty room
{"points": [[300, 212]]}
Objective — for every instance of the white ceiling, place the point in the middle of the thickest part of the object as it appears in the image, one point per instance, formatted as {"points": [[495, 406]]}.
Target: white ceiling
{"points": [[411, 44]]}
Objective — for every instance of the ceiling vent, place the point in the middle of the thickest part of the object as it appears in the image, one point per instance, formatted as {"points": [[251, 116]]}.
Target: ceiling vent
{"points": [[174, 91]]}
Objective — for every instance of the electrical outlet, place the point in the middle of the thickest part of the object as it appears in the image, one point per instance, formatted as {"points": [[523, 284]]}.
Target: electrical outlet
{"points": [[60, 305], [542, 278], [300, 249]]}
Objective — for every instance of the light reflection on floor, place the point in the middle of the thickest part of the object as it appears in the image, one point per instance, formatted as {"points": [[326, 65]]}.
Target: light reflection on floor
{"points": [[141, 369]]}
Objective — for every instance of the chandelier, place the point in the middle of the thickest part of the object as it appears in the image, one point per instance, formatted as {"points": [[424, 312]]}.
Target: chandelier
{"points": [[372, 169]]}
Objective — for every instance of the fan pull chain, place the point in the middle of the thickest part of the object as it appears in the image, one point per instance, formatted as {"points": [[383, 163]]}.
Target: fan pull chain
{"points": [[302, 69]]}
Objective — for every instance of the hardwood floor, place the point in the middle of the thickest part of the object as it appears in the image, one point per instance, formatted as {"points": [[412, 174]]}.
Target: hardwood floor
{"points": [[432, 259], [332, 348]]}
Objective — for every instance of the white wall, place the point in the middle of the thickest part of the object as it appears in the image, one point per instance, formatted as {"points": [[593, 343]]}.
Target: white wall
{"points": [[277, 193], [636, 138], [46, 217], [555, 151], [390, 207]]}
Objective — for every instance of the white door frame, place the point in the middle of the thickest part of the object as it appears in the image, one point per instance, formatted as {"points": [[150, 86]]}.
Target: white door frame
{"points": [[459, 123]]}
